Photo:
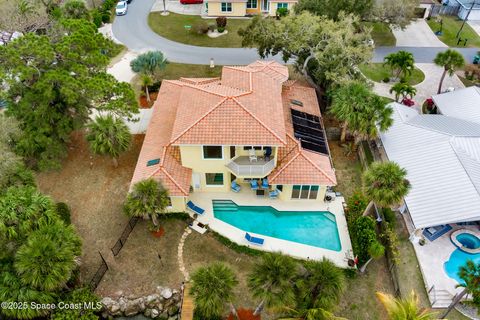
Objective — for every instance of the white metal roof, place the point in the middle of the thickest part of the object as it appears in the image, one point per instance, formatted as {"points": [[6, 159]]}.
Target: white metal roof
{"points": [[442, 163], [461, 104]]}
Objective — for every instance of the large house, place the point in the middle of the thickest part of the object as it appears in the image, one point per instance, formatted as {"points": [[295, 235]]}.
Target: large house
{"points": [[250, 124], [240, 8]]}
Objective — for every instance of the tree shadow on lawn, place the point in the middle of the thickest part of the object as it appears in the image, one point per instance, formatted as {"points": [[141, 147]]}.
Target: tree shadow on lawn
{"points": [[95, 191]]}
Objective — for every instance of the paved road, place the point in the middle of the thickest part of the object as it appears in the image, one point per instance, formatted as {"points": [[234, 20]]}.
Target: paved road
{"points": [[133, 31]]}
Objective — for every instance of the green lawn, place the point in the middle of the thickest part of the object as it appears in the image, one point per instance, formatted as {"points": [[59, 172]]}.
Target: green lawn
{"points": [[173, 27], [381, 33], [377, 72], [451, 25]]}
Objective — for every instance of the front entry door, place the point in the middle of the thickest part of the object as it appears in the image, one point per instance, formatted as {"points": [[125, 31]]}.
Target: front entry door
{"points": [[265, 5]]}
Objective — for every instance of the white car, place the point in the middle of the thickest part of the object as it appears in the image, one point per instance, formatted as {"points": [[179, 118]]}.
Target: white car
{"points": [[121, 8]]}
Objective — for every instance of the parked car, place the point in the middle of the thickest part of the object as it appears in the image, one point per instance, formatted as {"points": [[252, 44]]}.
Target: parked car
{"points": [[476, 59], [129, 1], [191, 1], [121, 8]]}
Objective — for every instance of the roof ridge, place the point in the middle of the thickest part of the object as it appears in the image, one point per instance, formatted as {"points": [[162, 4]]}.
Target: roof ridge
{"points": [[194, 86], [461, 162], [285, 166], [198, 120], [173, 180], [259, 121], [318, 168]]}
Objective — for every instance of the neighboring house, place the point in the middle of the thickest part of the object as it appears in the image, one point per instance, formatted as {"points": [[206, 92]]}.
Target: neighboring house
{"points": [[442, 157], [462, 104], [464, 7], [240, 8], [207, 132]]}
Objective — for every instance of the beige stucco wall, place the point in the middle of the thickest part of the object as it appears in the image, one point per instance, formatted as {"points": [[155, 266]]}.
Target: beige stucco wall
{"points": [[178, 204], [192, 157], [286, 194], [239, 9], [273, 7]]}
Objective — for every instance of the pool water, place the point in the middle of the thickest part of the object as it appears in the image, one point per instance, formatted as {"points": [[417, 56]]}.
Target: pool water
{"points": [[314, 228], [457, 259], [469, 240]]}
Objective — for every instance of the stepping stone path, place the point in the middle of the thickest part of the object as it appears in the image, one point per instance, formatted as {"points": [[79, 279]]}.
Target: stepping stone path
{"points": [[181, 265]]}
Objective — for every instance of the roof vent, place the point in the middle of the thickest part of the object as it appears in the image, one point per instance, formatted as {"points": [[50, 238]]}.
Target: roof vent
{"points": [[297, 102], [153, 162]]}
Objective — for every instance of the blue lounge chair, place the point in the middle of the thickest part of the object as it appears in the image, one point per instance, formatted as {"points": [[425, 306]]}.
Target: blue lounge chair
{"points": [[265, 183], [194, 208], [254, 240], [254, 184], [235, 187], [273, 194]]}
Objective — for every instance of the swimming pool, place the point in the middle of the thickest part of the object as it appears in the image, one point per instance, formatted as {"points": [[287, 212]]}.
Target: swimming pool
{"points": [[468, 240], [314, 228], [457, 259]]}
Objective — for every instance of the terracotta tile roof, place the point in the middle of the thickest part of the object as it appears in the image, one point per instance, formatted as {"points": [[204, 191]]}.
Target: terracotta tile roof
{"points": [[156, 145], [295, 164]]}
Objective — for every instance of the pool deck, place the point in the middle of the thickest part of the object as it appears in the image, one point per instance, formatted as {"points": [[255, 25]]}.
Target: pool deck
{"points": [[294, 249], [431, 258]]}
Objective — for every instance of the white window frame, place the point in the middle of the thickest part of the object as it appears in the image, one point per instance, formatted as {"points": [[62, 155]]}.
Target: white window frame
{"points": [[309, 190], [227, 6], [251, 7], [215, 185], [282, 3], [211, 145]]}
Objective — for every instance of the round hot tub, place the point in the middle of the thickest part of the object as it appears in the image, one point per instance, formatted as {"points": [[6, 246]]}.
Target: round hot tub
{"points": [[466, 240]]}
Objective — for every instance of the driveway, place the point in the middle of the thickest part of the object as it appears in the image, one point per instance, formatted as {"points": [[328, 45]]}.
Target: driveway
{"points": [[176, 7], [417, 34], [133, 31], [475, 26]]}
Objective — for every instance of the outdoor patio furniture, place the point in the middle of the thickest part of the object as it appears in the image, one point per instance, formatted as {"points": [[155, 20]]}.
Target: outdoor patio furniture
{"points": [[254, 184], [265, 183], [254, 240], [252, 156], [436, 232], [274, 194], [235, 187], [194, 208]]}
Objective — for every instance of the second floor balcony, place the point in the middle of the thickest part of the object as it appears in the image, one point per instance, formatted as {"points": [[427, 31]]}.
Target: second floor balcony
{"points": [[245, 166]]}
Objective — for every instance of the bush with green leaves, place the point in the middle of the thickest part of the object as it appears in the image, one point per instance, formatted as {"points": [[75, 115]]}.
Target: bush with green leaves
{"points": [[356, 205], [75, 9], [79, 296], [365, 236], [63, 211], [221, 22], [282, 12]]}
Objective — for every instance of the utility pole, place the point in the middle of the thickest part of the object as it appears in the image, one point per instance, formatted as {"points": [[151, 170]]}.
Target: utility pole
{"points": [[466, 18]]}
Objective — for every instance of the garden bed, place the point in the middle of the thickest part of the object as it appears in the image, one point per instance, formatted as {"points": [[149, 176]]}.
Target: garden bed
{"points": [[175, 27], [378, 72]]}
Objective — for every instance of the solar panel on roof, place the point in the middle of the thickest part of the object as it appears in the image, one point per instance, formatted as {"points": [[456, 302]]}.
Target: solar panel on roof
{"points": [[308, 129], [153, 162]]}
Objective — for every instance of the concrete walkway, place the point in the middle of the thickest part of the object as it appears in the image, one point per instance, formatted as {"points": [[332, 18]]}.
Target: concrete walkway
{"points": [[417, 34], [181, 264], [427, 87]]}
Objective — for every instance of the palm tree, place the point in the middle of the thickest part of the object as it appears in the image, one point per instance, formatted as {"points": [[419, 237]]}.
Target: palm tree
{"points": [[402, 62], [48, 257], [309, 314], [146, 81], [108, 136], [148, 199], [321, 285], [212, 287], [376, 250], [405, 309], [403, 90], [470, 274], [149, 63], [271, 281], [450, 60], [360, 110], [385, 183]]}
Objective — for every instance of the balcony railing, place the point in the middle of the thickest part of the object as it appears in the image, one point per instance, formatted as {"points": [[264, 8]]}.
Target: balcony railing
{"points": [[242, 166]]}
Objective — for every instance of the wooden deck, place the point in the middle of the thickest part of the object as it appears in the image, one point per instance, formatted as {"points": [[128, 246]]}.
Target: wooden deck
{"points": [[187, 304]]}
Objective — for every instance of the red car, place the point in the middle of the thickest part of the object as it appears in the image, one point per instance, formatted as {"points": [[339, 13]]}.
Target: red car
{"points": [[191, 1]]}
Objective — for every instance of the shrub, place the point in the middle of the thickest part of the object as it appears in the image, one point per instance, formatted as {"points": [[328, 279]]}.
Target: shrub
{"points": [[211, 27], [386, 79], [96, 18], [221, 29], [106, 15], [390, 217], [282, 12], [365, 235], [75, 9], [356, 204], [109, 4], [155, 86], [201, 27], [63, 212], [221, 22]]}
